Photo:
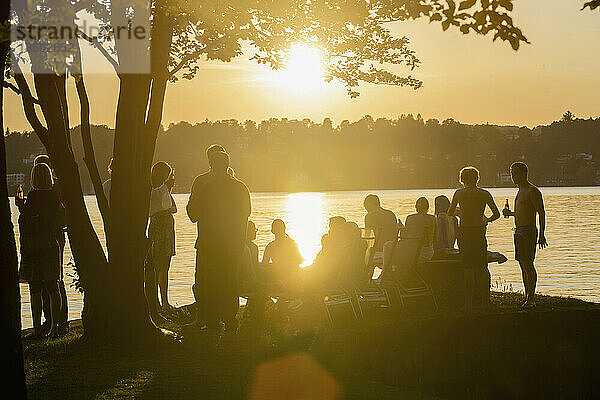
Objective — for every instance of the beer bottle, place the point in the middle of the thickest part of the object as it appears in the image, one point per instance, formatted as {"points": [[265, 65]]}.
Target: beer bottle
{"points": [[506, 209]]}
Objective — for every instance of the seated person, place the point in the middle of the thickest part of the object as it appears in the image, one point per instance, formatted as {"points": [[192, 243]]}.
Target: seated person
{"points": [[326, 265], [283, 254], [354, 270], [422, 225], [447, 227], [383, 223]]}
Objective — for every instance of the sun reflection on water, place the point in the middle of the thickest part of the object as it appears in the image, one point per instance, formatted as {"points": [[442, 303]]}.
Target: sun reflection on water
{"points": [[306, 222]]}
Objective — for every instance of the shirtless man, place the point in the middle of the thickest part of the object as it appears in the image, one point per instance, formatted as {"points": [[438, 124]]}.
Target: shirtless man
{"points": [[471, 235], [528, 203]]}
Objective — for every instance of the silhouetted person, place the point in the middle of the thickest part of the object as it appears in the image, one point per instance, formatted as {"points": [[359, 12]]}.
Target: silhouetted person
{"points": [[193, 212], [354, 272], [161, 230], [40, 224], [224, 207], [447, 226], [383, 223], [528, 203], [422, 225], [283, 253], [63, 316], [472, 243]]}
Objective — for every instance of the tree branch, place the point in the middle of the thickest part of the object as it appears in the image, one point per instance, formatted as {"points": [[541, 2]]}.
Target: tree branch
{"points": [[181, 64], [29, 106], [94, 42], [88, 147], [16, 90]]}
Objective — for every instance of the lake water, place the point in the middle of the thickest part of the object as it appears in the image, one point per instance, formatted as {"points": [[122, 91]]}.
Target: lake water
{"points": [[570, 266]]}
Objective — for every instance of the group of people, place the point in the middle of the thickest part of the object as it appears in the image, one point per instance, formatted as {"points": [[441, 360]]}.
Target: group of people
{"points": [[440, 231], [227, 259]]}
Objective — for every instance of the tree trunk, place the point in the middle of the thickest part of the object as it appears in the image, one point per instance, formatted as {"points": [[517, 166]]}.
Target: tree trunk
{"points": [[11, 353]]}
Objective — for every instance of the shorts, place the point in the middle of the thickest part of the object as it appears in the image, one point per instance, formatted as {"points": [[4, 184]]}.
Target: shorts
{"points": [[525, 243], [472, 246]]}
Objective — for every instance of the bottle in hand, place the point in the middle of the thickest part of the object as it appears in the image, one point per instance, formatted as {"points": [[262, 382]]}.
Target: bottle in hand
{"points": [[506, 210], [20, 194]]}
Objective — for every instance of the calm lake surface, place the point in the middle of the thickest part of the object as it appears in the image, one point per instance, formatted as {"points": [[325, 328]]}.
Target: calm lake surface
{"points": [[570, 266]]}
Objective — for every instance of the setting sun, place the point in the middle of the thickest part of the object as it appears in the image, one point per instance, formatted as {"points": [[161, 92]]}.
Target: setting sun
{"points": [[303, 69]]}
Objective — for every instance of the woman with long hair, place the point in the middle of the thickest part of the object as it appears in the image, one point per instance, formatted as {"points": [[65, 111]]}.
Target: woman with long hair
{"points": [[161, 230], [41, 222]]}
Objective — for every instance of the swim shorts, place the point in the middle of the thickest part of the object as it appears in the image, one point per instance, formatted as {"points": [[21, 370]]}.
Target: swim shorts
{"points": [[525, 243]]}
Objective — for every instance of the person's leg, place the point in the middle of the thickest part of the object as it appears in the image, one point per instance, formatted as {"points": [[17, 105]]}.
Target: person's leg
{"points": [[150, 289], [162, 277], [52, 288], [63, 315], [35, 298], [529, 280], [47, 309], [525, 275]]}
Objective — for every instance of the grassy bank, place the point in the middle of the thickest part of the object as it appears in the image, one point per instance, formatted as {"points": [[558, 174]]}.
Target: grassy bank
{"points": [[201, 367]]}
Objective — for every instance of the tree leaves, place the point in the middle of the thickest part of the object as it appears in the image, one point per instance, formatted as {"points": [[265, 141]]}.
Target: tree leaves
{"points": [[466, 4]]}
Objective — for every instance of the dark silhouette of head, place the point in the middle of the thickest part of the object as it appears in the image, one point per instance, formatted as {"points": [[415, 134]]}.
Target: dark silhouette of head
{"points": [[250, 231], [219, 162], [335, 223], [42, 159], [469, 176], [278, 228], [159, 174], [422, 205], [518, 172], [41, 177], [441, 204], [353, 230], [214, 148], [371, 202]]}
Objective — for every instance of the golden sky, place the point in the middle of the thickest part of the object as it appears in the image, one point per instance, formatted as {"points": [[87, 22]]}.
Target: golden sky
{"points": [[466, 77]]}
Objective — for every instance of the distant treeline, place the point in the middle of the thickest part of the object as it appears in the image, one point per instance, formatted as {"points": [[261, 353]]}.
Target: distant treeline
{"points": [[408, 152]]}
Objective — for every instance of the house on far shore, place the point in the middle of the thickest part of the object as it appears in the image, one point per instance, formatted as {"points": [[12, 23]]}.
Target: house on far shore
{"points": [[15, 179], [503, 179]]}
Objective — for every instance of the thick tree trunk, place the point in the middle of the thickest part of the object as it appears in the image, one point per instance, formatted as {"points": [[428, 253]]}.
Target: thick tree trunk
{"points": [[139, 111], [11, 350], [130, 192]]}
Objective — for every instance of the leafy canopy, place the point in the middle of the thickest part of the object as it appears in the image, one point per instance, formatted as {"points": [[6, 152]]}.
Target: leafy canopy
{"points": [[353, 36]]}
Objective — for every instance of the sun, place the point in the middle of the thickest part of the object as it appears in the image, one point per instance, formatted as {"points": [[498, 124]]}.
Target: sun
{"points": [[303, 71]]}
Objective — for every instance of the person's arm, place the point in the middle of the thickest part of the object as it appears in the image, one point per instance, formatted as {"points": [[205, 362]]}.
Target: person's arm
{"points": [[368, 227], [435, 231], [173, 209], [267, 254], [192, 208], [538, 205], [453, 204], [492, 205]]}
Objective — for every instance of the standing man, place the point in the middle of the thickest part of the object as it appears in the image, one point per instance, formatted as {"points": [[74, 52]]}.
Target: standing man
{"points": [[528, 203], [193, 212], [224, 207], [472, 243]]}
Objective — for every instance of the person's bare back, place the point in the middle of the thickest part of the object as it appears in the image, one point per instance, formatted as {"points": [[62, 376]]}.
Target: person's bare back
{"points": [[472, 202]]}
